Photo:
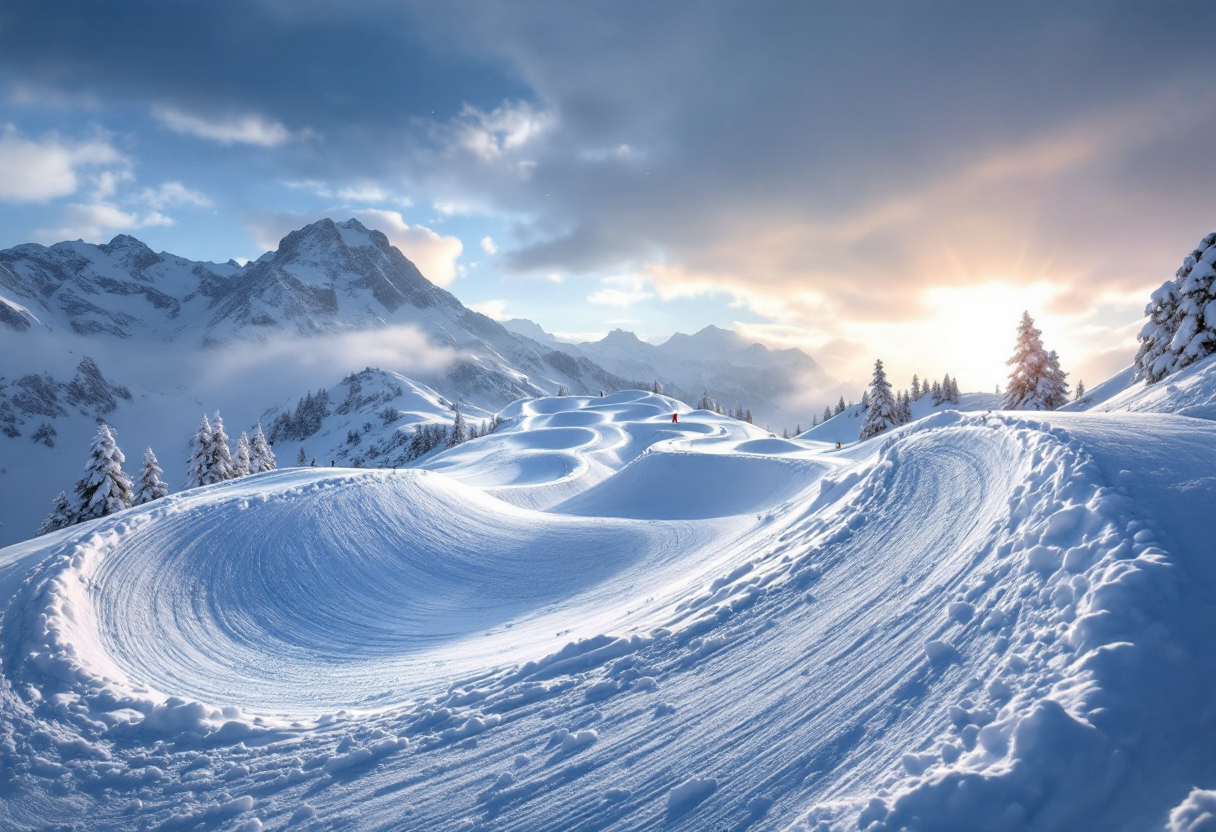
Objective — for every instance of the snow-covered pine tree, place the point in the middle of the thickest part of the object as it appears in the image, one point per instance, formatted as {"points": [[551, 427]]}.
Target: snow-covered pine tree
{"points": [[656, 387], [706, 402], [827, 413], [151, 486], [747, 417], [797, 430], [865, 399], [950, 390], [1195, 318], [1154, 358], [785, 433], [61, 515], [840, 407], [936, 393], [915, 387], [105, 488], [199, 462], [301, 458], [563, 390], [242, 462], [219, 455], [1080, 391], [1033, 384], [261, 456], [881, 413], [458, 433], [1055, 388]]}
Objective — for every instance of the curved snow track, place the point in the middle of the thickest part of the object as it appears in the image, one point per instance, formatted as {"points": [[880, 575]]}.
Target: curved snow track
{"points": [[964, 626]]}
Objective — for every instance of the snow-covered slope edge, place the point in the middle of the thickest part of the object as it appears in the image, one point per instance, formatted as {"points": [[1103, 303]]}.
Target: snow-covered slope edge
{"points": [[965, 625]]}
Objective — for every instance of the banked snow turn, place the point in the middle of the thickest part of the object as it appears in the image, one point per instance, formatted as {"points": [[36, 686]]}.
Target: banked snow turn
{"points": [[967, 625]]}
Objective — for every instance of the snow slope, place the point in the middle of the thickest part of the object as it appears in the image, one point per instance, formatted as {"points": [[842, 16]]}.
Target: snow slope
{"points": [[969, 624], [845, 427]]}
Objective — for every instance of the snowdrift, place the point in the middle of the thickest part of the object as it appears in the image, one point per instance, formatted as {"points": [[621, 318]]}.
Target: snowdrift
{"points": [[969, 624]]}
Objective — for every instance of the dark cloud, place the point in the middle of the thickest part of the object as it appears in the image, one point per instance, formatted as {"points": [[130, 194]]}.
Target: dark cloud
{"points": [[306, 63]]}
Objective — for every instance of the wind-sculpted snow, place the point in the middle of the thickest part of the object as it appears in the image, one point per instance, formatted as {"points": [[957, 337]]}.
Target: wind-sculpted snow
{"points": [[970, 624]]}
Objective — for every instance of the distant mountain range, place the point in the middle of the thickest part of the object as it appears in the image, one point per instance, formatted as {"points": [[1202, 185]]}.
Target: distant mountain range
{"points": [[714, 360], [72, 316]]}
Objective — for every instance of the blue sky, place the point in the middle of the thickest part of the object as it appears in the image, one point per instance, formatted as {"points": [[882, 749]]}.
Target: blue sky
{"points": [[879, 180]]}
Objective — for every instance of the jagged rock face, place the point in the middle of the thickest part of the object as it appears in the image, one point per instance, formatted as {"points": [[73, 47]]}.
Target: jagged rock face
{"points": [[33, 397]]}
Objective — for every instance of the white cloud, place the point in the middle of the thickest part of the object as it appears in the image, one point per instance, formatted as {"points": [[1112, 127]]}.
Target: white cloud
{"points": [[105, 184], [502, 131], [247, 129], [32, 171], [496, 309], [579, 337], [621, 291], [434, 255], [488, 246], [168, 194], [95, 222]]}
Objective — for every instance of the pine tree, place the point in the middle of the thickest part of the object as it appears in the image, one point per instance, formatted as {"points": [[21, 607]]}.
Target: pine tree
{"points": [[199, 462], [1037, 382], [1080, 391], [61, 516], [840, 408], [1055, 389], [865, 400], [458, 433], [1194, 321], [785, 433], [242, 463], [301, 458], [915, 387], [798, 430], [827, 413], [656, 387], [1155, 358], [104, 488], [936, 393], [151, 486], [563, 390], [1181, 326], [219, 455], [706, 402], [261, 456], [747, 417], [881, 414], [950, 390]]}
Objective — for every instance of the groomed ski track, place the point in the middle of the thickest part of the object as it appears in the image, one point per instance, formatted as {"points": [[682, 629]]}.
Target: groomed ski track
{"points": [[970, 624]]}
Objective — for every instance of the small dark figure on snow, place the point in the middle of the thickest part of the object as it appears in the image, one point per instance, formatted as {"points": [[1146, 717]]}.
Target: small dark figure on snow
{"points": [[675, 417], [313, 464], [838, 446]]}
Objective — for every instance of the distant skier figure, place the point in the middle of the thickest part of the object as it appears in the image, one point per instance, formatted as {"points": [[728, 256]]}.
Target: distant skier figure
{"points": [[838, 446], [313, 464], [675, 417], [601, 394], [331, 463]]}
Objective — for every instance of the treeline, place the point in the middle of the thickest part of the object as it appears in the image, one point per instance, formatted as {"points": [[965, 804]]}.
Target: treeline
{"points": [[105, 488]]}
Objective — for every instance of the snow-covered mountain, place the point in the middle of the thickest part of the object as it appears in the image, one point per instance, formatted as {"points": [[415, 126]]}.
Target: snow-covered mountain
{"points": [[325, 279], [151, 341], [598, 618], [733, 370]]}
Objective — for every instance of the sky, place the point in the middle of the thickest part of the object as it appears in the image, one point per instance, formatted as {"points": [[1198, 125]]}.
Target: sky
{"points": [[894, 180]]}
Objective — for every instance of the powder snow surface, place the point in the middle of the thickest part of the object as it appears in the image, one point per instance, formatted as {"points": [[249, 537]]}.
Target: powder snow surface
{"points": [[597, 619]]}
